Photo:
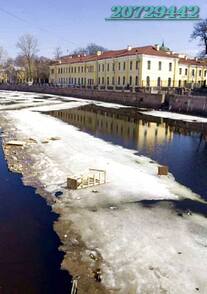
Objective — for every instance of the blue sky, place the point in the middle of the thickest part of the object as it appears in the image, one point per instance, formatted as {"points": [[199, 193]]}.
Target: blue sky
{"points": [[74, 23]]}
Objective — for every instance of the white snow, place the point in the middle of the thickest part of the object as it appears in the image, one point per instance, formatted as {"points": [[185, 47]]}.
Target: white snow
{"points": [[139, 245], [177, 116], [26, 100]]}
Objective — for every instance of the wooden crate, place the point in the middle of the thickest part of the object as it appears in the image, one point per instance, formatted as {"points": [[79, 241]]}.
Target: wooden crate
{"points": [[163, 170], [92, 178], [72, 183]]}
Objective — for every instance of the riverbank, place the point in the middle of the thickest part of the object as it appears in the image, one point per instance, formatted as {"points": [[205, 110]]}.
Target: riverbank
{"points": [[186, 104], [29, 256], [20, 160], [133, 245]]}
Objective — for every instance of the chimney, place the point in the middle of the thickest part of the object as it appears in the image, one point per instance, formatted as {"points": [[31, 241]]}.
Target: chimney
{"points": [[129, 48], [98, 53], [157, 46]]}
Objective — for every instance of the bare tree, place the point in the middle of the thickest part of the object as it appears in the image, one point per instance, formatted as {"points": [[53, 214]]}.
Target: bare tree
{"points": [[80, 50], [28, 46], [91, 48], [200, 32], [3, 56], [58, 53], [42, 69]]}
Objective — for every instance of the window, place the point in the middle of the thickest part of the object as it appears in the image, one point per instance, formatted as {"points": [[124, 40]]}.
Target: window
{"points": [[200, 73], [148, 64], [99, 67], [119, 66], [107, 80], [124, 80], [119, 80], [113, 67], [180, 71], [131, 65], [160, 65], [159, 82], [108, 67], [75, 69], [102, 80], [170, 66], [137, 64], [169, 82], [112, 80], [52, 71], [102, 67], [148, 81], [99, 80], [179, 84], [186, 71], [193, 72], [82, 68], [130, 80], [124, 65], [136, 81]]}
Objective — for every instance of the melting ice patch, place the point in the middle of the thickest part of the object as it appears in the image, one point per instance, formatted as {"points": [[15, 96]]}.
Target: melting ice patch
{"points": [[129, 176], [144, 250], [176, 116]]}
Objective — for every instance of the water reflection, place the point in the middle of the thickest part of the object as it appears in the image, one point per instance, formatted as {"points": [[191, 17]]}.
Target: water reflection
{"points": [[129, 126], [180, 145]]}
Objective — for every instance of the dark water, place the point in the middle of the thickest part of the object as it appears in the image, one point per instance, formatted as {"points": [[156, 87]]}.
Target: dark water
{"points": [[180, 145], [29, 256]]}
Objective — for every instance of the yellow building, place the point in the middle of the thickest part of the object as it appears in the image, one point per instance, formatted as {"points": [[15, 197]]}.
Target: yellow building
{"points": [[129, 69], [3, 76]]}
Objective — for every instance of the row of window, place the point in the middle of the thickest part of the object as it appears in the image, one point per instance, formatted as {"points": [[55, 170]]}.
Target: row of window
{"points": [[81, 69], [180, 69], [159, 82], [82, 81], [149, 65], [120, 66], [101, 67], [119, 80], [193, 72]]}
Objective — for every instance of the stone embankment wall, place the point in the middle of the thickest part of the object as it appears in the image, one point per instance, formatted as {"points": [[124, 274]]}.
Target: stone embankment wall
{"points": [[125, 98], [177, 103], [188, 104]]}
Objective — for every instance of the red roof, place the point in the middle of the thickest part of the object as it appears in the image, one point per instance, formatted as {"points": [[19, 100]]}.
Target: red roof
{"points": [[147, 50], [191, 61]]}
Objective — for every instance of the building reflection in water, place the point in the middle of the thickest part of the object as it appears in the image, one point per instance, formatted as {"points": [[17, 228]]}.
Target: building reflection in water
{"points": [[127, 126], [124, 126], [180, 145]]}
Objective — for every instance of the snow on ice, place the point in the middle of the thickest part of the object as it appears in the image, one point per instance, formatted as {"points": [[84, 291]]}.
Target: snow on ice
{"points": [[144, 250]]}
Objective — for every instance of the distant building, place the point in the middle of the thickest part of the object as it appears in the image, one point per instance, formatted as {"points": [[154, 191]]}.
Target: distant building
{"points": [[3, 76], [131, 68], [12, 74]]}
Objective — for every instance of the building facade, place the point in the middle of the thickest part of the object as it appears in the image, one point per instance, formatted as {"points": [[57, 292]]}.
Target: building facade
{"points": [[130, 69]]}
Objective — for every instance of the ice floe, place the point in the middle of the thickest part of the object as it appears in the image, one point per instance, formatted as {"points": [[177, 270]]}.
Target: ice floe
{"points": [[176, 116], [144, 250]]}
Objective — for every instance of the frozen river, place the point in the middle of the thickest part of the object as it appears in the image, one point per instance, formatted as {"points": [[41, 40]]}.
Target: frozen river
{"points": [[146, 234]]}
